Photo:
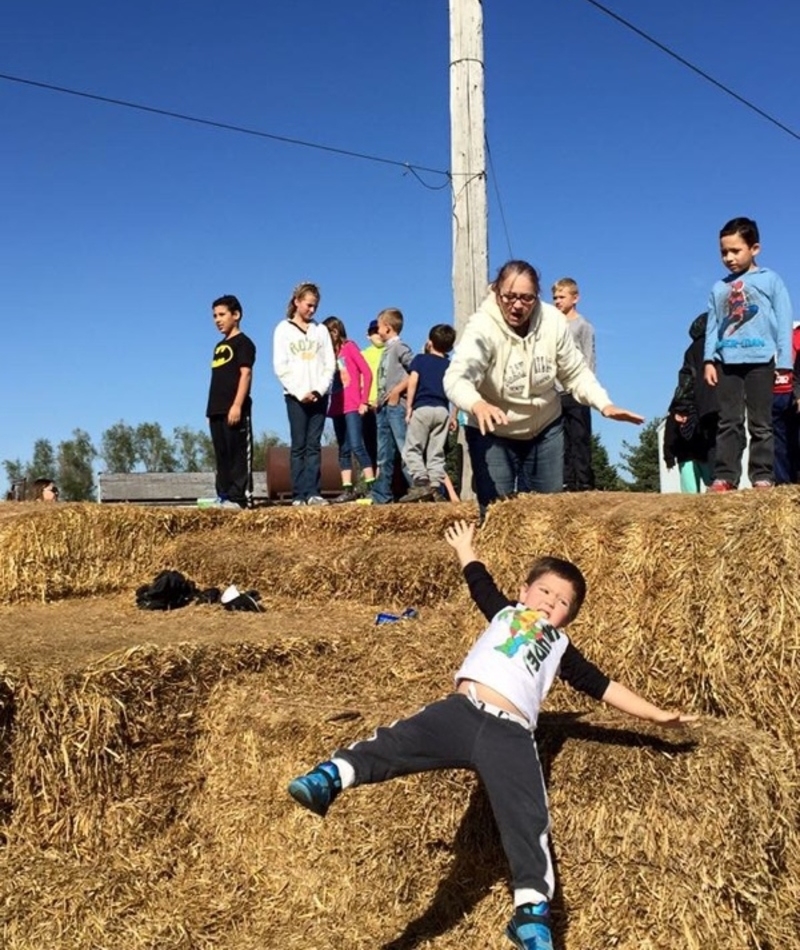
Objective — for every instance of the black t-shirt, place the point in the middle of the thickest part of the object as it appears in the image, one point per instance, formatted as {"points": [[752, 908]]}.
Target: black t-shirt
{"points": [[229, 357]]}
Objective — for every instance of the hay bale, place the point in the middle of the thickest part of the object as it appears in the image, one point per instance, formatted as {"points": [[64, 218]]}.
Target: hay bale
{"points": [[659, 836], [107, 754]]}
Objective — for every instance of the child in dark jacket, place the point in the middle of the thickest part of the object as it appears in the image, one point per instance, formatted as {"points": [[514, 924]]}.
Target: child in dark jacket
{"points": [[690, 433]]}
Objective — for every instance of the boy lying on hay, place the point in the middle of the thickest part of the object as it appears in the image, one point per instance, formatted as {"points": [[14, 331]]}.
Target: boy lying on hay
{"points": [[488, 724]]}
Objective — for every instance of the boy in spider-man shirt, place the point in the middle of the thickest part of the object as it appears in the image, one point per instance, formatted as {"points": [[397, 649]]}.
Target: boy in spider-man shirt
{"points": [[488, 723]]}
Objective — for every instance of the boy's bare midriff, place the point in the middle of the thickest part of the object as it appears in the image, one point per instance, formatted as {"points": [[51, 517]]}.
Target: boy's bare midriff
{"points": [[488, 695]]}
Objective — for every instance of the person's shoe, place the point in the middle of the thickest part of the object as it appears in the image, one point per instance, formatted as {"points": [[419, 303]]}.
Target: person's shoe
{"points": [[349, 494], [366, 500], [720, 485], [298, 502], [317, 789], [317, 500], [421, 490], [529, 928], [763, 483], [232, 505]]}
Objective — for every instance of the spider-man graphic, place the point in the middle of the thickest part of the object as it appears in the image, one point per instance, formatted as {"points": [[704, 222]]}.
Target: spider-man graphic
{"points": [[739, 310]]}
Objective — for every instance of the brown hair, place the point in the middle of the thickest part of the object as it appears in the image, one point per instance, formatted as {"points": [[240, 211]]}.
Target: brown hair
{"points": [[334, 323], [517, 267], [300, 291]]}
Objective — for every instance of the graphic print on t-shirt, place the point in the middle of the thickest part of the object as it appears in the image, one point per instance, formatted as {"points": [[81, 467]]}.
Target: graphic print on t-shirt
{"points": [[223, 353], [739, 311], [530, 630]]}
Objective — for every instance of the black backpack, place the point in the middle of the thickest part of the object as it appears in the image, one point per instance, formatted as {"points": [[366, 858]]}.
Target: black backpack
{"points": [[169, 590]]}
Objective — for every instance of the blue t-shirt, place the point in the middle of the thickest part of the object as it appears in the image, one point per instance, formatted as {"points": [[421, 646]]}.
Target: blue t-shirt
{"points": [[430, 387]]}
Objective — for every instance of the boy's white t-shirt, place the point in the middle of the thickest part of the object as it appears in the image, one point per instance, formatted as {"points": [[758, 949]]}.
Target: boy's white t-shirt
{"points": [[518, 655]]}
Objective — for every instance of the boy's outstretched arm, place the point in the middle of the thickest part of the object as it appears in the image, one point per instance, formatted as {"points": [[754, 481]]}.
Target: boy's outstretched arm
{"points": [[460, 536], [624, 699]]}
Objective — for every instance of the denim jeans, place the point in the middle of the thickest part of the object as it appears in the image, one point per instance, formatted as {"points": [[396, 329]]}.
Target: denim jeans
{"points": [[350, 438], [391, 438], [785, 434], [306, 424], [502, 466]]}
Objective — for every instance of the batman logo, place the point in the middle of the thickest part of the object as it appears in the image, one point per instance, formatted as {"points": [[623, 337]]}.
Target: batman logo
{"points": [[222, 354]]}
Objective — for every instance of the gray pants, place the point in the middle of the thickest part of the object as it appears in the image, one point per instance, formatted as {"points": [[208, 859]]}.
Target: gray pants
{"points": [[455, 734], [426, 440]]}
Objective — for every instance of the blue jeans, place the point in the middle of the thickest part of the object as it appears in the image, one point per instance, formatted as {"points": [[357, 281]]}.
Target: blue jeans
{"points": [[503, 466], [350, 438], [391, 438], [306, 424], [785, 434]]}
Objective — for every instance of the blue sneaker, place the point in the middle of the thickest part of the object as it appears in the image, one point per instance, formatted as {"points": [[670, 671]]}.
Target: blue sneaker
{"points": [[317, 789], [529, 928]]}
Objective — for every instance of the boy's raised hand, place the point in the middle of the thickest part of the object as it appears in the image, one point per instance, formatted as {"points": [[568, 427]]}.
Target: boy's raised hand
{"points": [[460, 536]]}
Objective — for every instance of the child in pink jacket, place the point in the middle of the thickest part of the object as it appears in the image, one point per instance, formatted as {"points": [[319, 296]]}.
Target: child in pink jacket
{"points": [[349, 400]]}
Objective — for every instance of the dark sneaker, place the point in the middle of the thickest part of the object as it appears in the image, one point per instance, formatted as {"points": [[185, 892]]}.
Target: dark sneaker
{"points": [[529, 928], [317, 789], [348, 494], [420, 492]]}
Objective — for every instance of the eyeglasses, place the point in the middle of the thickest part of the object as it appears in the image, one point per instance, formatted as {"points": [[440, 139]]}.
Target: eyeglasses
{"points": [[513, 298]]}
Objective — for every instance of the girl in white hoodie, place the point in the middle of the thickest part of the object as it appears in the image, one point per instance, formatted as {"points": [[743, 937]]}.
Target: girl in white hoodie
{"points": [[503, 375]]}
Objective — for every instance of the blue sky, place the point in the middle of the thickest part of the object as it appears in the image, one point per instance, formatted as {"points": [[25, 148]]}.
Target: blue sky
{"points": [[615, 165]]}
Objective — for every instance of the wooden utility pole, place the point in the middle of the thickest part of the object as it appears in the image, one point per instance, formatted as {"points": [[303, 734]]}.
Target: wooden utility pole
{"points": [[468, 167]]}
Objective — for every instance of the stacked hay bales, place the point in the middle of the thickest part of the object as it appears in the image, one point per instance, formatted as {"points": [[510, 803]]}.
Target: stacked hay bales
{"points": [[149, 790]]}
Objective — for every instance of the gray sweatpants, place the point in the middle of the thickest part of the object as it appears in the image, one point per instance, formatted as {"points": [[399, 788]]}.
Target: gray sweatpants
{"points": [[425, 445], [455, 734]]}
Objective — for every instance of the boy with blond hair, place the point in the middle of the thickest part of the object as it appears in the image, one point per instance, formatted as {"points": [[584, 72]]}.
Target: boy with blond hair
{"points": [[577, 419], [391, 415]]}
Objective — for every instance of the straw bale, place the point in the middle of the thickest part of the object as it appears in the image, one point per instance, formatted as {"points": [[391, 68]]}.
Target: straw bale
{"points": [[660, 837], [107, 752]]}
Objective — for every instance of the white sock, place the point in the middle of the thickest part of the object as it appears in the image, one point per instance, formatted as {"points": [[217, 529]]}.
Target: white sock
{"points": [[346, 772], [527, 895]]}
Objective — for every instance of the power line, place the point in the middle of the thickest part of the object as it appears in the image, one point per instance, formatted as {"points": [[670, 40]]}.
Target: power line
{"points": [[695, 69], [497, 194], [228, 127]]}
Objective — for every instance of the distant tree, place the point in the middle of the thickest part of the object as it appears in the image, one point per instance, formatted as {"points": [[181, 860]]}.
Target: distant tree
{"points": [[193, 450], [260, 445], [641, 460], [153, 449], [15, 470], [43, 463], [606, 476], [118, 448], [75, 471]]}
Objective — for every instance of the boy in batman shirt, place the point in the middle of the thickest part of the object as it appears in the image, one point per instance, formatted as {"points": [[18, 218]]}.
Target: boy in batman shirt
{"points": [[229, 406]]}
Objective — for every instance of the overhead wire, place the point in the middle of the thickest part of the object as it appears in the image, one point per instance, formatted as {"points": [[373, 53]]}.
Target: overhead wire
{"points": [[496, 185], [695, 69], [412, 167]]}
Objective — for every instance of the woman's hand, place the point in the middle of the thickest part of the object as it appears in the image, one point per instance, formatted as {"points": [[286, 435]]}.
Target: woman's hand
{"points": [[488, 416], [622, 415]]}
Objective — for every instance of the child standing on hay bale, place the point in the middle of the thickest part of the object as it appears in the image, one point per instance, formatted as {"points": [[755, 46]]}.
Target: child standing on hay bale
{"points": [[304, 362], [488, 723], [690, 433], [349, 401], [229, 406], [428, 417], [748, 342]]}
